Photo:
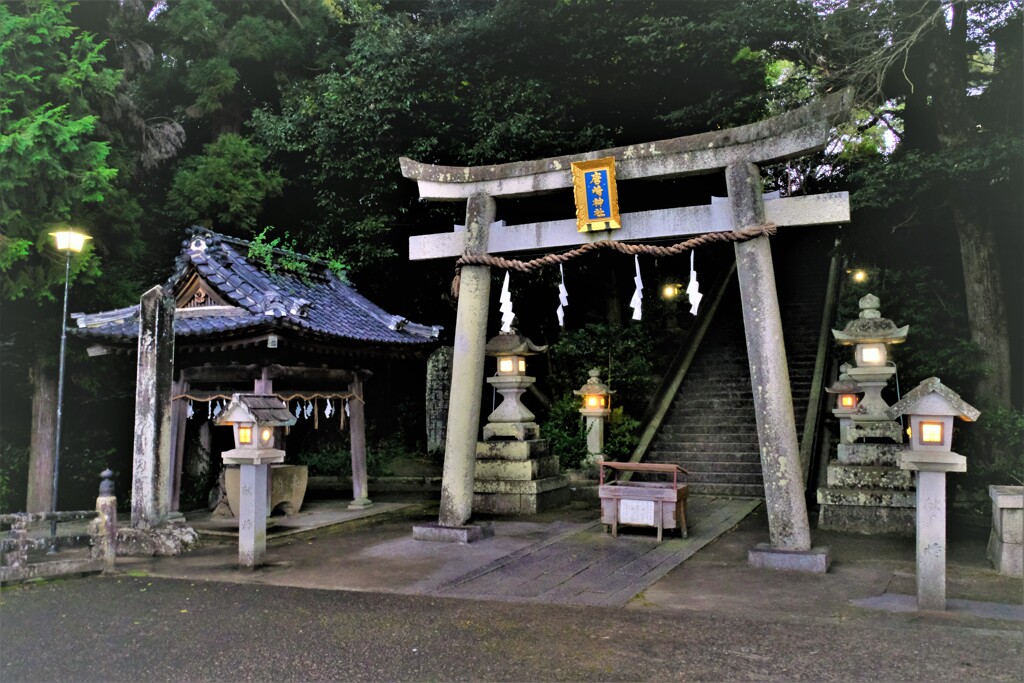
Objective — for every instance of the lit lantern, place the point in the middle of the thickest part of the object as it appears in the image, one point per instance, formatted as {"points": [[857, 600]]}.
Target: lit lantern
{"points": [[511, 419], [596, 394], [931, 407], [255, 421], [847, 394], [597, 406], [870, 334], [671, 291]]}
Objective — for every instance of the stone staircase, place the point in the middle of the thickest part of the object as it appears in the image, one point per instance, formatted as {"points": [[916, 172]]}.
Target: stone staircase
{"points": [[710, 428]]}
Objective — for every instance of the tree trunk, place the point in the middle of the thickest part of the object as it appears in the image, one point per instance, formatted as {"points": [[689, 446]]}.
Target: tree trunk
{"points": [[44, 425], [986, 310]]}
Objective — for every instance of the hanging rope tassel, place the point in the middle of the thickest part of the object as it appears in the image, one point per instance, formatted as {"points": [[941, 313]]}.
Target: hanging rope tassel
{"points": [[316, 414]]}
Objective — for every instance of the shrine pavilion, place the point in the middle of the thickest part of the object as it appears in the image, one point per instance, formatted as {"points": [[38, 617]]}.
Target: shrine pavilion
{"points": [[302, 334]]}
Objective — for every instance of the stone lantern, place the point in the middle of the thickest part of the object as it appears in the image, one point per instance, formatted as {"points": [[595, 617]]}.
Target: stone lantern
{"points": [[870, 334], [255, 421], [511, 419], [596, 409], [515, 472], [847, 393], [865, 491], [931, 407]]}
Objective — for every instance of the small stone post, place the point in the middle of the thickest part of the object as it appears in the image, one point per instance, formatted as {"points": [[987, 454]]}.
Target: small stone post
{"points": [[467, 370], [931, 540], [357, 427], [151, 461], [105, 535], [769, 378], [252, 517]]}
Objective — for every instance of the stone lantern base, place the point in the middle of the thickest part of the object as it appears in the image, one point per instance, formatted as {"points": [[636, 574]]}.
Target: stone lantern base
{"points": [[517, 478], [866, 492]]}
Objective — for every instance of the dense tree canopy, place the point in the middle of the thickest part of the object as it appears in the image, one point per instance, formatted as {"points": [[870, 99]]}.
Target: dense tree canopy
{"points": [[134, 118]]}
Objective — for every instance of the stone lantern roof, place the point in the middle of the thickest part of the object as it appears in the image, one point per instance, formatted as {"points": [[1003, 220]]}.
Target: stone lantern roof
{"points": [[512, 344], [265, 410], [932, 397], [870, 327]]}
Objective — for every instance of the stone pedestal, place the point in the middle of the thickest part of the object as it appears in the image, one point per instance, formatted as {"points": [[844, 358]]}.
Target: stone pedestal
{"points": [[517, 478], [931, 468], [252, 515], [1005, 548], [866, 492]]}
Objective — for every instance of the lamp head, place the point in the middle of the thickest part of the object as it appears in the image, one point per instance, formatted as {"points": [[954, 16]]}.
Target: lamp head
{"points": [[69, 240]]}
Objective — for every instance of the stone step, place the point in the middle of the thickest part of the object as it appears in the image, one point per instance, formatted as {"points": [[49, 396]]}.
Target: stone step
{"points": [[744, 478], [679, 433], [868, 476], [686, 459], [738, 490], [705, 451], [860, 519]]}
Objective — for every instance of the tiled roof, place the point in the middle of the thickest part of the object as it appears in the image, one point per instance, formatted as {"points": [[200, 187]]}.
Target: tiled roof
{"points": [[316, 305]]}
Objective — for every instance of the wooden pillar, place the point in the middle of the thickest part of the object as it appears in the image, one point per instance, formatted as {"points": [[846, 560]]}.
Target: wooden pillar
{"points": [[769, 374], [179, 422], [40, 459], [151, 459], [357, 435], [467, 370]]}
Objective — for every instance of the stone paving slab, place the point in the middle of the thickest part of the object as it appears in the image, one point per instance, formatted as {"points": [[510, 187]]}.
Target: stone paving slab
{"points": [[589, 567]]}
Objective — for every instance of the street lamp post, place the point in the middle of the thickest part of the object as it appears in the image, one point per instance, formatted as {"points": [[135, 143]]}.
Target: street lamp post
{"points": [[69, 242]]}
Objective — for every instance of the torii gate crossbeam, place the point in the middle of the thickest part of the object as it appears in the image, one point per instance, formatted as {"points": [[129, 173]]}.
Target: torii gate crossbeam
{"points": [[736, 151]]}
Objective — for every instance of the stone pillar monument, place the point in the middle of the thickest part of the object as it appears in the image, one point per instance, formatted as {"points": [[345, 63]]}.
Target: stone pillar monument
{"points": [[151, 462]]}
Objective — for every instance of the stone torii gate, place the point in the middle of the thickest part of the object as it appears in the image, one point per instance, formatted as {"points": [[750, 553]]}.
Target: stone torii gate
{"points": [[736, 150]]}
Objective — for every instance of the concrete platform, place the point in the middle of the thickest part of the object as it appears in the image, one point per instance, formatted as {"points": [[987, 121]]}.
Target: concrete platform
{"points": [[562, 556]]}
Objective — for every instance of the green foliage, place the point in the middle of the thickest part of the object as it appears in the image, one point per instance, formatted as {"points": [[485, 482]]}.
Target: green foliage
{"points": [[54, 163], [228, 184], [331, 456], [994, 446], [566, 432], [13, 475]]}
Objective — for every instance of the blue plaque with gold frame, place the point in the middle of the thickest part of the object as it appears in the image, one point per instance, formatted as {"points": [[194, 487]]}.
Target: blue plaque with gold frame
{"points": [[597, 199]]}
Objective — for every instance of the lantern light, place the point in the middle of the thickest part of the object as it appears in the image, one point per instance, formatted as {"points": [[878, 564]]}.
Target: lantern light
{"points": [[871, 355], [511, 365], [245, 434], [931, 432], [266, 435], [847, 401], [860, 275], [69, 240], [671, 291]]}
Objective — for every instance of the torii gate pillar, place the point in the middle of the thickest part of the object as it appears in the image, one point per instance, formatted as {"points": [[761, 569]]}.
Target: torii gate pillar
{"points": [[467, 376], [790, 533]]}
